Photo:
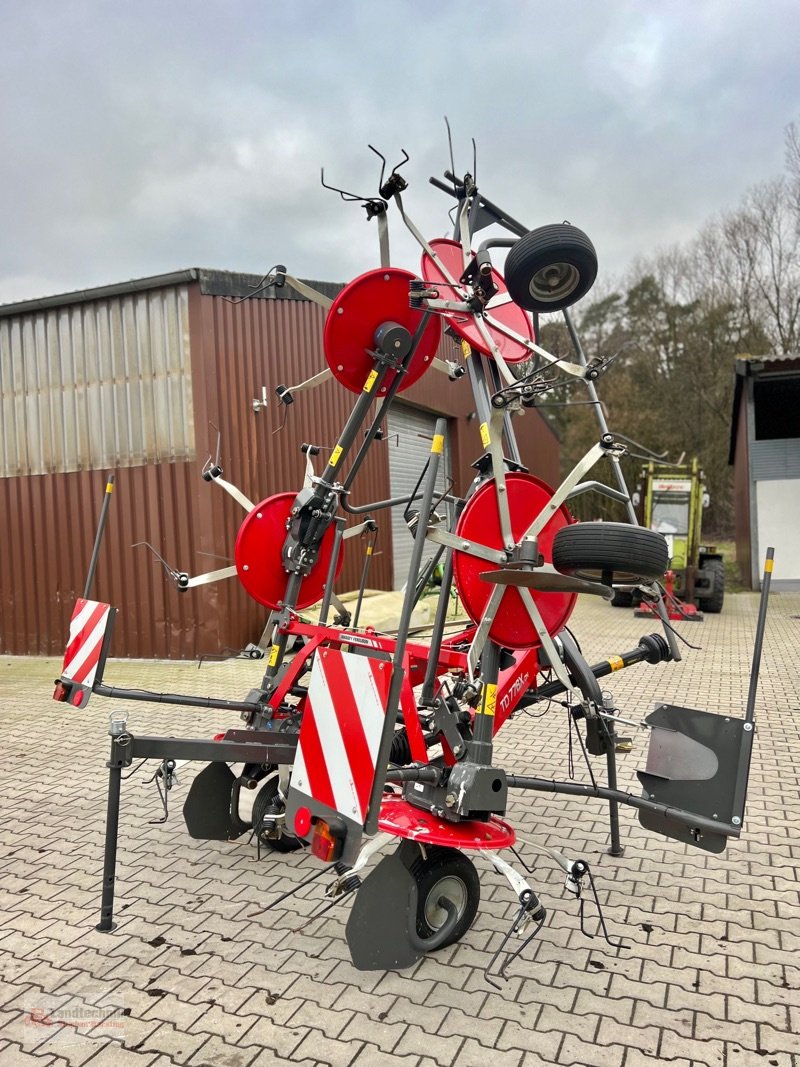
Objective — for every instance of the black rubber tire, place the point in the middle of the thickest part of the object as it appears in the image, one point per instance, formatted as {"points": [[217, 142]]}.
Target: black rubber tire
{"points": [[628, 553], [713, 603], [622, 598], [550, 268], [445, 872], [266, 795]]}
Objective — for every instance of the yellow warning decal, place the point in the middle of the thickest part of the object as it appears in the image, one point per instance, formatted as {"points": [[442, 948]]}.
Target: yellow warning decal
{"points": [[336, 455], [274, 652], [768, 566], [485, 436], [369, 550], [109, 487], [490, 700], [466, 349], [616, 663], [438, 443], [371, 378]]}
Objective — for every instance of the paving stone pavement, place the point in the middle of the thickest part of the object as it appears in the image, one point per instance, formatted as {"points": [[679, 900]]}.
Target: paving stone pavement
{"points": [[194, 975]]}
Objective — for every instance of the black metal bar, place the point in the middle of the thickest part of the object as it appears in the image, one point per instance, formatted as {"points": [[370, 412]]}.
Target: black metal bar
{"points": [[501, 217], [578, 789], [379, 505], [106, 923], [480, 746], [364, 572], [599, 487], [353, 424], [330, 578], [615, 848], [393, 702], [648, 649], [427, 574], [119, 693], [101, 525], [414, 774], [759, 639], [280, 640], [477, 380], [748, 726], [282, 750], [439, 621], [391, 392]]}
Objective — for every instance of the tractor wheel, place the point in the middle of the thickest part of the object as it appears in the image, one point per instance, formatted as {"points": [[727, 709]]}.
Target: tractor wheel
{"points": [[715, 569], [622, 598], [445, 872], [550, 268], [592, 550], [268, 803]]}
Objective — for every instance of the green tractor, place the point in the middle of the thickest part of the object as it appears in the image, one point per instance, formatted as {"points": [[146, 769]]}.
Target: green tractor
{"points": [[671, 498]]}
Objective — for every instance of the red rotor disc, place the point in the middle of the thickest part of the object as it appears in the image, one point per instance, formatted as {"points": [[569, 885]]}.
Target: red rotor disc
{"points": [[362, 306], [510, 314], [258, 555], [402, 819], [480, 522]]}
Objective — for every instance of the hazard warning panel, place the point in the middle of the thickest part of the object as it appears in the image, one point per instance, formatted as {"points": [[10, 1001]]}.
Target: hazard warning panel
{"points": [[86, 651], [340, 737]]}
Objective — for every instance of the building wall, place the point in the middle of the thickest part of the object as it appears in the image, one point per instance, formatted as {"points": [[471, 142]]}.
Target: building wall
{"points": [[88, 388], [96, 384], [225, 352]]}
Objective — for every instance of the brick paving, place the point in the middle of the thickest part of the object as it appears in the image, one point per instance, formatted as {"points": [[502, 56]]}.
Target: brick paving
{"points": [[710, 974]]}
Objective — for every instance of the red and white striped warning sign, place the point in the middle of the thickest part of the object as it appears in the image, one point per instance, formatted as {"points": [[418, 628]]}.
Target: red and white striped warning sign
{"points": [[341, 730], [86, 632]]}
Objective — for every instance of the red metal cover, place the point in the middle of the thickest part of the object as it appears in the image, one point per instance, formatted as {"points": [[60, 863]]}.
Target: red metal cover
{"points": [[480, 522], [362, 306], [402, 819], [258, 555], [510, 314]]}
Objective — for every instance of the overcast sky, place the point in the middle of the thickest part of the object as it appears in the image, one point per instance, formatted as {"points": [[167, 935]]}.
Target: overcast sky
{"points": [[146, 137]]}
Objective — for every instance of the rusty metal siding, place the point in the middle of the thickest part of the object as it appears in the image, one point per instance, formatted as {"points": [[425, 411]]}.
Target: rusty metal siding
{"points": [[97, 384], [48, 520], [49, 526], [238, 349]]}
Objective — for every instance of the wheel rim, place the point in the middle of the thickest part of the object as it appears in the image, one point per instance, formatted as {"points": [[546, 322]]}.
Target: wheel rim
{"points": [[554, 282], [456, 892]]}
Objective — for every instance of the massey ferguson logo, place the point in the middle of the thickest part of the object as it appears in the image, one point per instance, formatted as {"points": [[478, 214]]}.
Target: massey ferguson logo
{"points": [[519, 685]]}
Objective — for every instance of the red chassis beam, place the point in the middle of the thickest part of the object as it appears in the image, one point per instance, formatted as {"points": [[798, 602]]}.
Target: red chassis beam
{"points": [[513, 683]]}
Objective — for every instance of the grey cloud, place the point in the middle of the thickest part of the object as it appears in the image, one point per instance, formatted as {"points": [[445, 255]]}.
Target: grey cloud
{"points": [[144, 138]]}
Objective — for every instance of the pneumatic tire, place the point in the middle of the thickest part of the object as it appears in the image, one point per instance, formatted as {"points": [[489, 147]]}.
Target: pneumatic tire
{"points": [[713, 603], [445, 872], [550, 268], [265, 803], [622, 598], [595, 550]]}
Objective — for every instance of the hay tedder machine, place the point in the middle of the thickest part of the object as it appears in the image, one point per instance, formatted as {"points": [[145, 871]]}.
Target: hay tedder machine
{"points": [[359, 742]]}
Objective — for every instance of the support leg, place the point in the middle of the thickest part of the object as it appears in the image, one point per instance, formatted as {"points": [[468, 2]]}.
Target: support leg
{"points": [[107, 923], [614, 848]]}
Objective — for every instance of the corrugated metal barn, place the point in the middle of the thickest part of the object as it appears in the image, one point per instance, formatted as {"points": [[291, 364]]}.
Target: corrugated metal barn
{"points": [[147, 379], [765, 452]]}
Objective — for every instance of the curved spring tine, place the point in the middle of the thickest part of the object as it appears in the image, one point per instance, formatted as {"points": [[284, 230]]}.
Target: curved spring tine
{"points": [[402, 162], [171, 571], [618, 943], [382, 158], [347, 197], [450, 145]]}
